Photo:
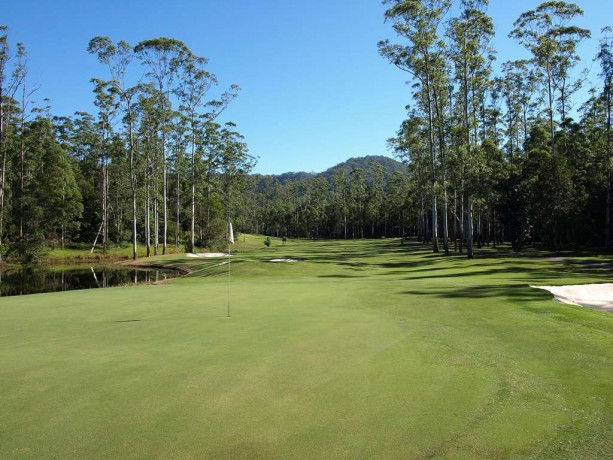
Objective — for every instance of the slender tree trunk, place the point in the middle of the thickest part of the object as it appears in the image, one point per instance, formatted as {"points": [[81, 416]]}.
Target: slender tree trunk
{"points": [[525, 123], [165, 199], [493, 227], [432, 167], [3, 173], [2, 188], [22, 158], [156, 226], [104, 207], [469, 229], [608, 165], [3, 155], [148, 213], [178, 217], [551, 123], [455, 220], [441, 142], [193, 184], [133, 179], [479, 229], [469, 216], [165, 180], [563, 112]]}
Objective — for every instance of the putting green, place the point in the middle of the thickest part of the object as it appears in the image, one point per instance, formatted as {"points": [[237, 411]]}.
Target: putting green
{"points": [[364, 349]]}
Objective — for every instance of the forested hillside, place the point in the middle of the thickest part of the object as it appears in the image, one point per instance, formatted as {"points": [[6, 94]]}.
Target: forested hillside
{"points": [[492, 151], [361, 197]]}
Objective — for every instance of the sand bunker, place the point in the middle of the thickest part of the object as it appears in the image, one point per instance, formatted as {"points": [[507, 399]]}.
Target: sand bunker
{"points": [[284, 260], [207, 255], [597, 296]]}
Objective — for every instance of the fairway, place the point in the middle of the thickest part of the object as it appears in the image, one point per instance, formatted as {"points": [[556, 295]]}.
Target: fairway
{"points": [[361, 349]]}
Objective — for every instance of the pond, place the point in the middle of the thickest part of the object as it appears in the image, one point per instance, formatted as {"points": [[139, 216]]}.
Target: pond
{"points": [[33, 280]]}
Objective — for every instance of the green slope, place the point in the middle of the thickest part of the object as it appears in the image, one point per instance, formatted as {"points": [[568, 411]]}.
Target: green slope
{"points": [[363, 350]]}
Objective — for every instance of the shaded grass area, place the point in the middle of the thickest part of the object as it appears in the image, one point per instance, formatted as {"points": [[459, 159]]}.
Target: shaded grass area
{"points": [[366, 349]]}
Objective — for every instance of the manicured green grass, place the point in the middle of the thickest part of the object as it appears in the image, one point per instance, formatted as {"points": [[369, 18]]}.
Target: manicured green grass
{"points": [[365, 349]]}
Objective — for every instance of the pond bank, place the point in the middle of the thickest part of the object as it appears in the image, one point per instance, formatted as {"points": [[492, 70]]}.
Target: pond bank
{"points": [[54, 278]]}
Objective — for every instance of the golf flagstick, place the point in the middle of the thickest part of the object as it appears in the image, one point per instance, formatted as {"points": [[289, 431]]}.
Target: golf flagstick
{"points": [[230, 241]]}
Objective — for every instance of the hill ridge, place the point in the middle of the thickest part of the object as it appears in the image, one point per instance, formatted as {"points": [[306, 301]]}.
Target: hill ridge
{"points": [[389, 165]]}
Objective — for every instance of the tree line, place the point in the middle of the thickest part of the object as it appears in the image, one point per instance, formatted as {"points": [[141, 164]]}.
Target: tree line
{"points": [[152, 166], [497, 156], [492, 155], [365, 202]]}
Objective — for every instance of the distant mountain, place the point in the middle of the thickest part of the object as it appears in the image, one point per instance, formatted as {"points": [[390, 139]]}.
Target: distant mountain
{"points": [[389, 166], [294, 176]]}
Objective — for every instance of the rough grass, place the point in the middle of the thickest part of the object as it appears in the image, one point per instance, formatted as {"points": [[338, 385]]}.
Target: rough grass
{"points": [[365, 349], [81, 252]]}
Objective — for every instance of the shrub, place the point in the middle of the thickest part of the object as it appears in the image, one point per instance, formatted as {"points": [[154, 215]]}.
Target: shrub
{"points": [[26, 251]]}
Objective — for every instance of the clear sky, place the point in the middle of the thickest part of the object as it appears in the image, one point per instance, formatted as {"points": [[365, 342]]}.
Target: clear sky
{"points": [[314, 89]]}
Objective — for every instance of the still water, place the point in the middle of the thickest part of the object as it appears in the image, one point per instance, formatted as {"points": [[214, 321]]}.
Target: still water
{"points": [[33, 280]]}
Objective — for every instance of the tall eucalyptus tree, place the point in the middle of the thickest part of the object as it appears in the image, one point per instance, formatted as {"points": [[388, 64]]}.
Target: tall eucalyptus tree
{"points": [[193, 88], [105, 100], [410, 147], [418, 22], [118, 58], [25, 101], [548, 34], [605, 57], [471, 34], [163, 57], [10, 84]]}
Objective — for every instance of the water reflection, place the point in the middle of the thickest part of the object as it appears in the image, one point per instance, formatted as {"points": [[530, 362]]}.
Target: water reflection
{"points": [[35, 280]]}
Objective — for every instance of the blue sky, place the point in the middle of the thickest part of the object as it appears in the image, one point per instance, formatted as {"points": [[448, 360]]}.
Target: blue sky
{"points": [[314, 89]]}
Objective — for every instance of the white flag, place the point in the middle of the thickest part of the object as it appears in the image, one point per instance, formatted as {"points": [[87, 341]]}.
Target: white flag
{"points": [[230, 233]]}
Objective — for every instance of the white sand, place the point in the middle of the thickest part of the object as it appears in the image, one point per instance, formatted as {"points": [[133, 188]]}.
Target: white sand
{"points": [[284, 260], [207, 255], [597, 296]]}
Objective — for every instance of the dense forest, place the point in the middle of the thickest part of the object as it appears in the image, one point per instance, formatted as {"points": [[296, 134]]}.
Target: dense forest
{"points": [[491, 151]]}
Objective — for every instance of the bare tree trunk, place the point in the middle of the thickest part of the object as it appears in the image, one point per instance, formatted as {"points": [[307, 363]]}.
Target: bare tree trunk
{"points": [[433, 170], [455, 220], [105, 215], [2, 153], [156, 226], [22, 157], [165, 191], [441, 142], [462, 210], [133, 179], [479, 229], [165, 199], [178, 172], [469, 229], [3, 174], [148, 217], [608, 165], [551, 123], [2, 187], [193, 180]]}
